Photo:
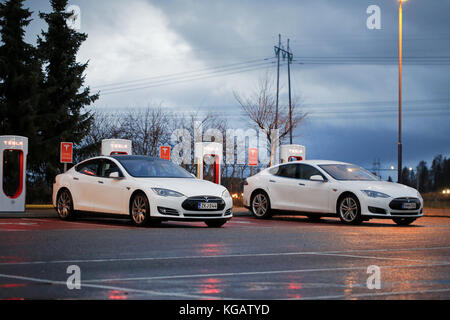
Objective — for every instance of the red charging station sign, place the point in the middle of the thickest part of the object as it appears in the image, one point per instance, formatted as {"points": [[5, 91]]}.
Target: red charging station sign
{"points": [[252, 156], [164, 153], [66, 155]]}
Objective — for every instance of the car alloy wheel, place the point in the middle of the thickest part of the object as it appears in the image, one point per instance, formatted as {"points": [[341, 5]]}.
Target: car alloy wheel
{"points": [[260, 205], [140, 209], [349, 211], [64, 205]]}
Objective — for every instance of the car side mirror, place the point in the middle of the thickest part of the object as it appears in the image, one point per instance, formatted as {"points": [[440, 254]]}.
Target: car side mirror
{"points": [[115, 175], [317, 177]]}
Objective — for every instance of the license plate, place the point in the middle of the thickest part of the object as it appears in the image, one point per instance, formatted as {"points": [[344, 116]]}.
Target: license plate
{"points": [[408, 205], [207, 206]]}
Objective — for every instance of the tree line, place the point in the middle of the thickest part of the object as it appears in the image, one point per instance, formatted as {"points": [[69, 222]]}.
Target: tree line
{"points": [[42, 92], [429, 179]]}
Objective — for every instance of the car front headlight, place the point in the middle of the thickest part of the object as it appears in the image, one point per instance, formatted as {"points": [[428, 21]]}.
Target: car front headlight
{"points": [[167, 193], [375, 194], [226, 194]]}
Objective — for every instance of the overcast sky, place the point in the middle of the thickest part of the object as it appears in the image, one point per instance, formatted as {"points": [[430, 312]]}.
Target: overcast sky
{"points": [[346, 74]]}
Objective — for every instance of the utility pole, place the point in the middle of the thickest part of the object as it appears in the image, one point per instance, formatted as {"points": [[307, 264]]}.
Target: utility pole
{"points": [[290, 57], [272, 147], [277, 52], [289, 84]]}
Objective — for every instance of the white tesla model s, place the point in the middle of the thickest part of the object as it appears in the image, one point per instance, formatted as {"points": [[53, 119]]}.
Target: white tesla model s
{"points": [[328, 188], [148, 189]]}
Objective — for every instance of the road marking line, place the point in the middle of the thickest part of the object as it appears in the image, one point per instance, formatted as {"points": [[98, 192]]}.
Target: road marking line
{"points": [[226, 256], [372, 257], [250, 273], [374, 294], [83, 285]]}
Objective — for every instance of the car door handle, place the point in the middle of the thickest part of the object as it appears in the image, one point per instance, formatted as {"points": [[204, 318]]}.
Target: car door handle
{"points": [[272, 181], [100, 182], [75, 178], [301, 184]]}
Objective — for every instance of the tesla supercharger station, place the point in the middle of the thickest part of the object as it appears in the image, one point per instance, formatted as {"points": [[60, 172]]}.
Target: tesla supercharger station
{"points": [[116, 146], [13, 160], [292, 152], [208, 153]]}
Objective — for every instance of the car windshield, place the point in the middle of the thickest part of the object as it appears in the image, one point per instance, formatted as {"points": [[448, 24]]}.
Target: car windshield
{"points": [[348, 172], [146, 167]]}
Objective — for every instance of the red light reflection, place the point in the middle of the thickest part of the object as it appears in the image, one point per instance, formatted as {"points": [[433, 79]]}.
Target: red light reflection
{"points": [[116, 295], [211, 249], [12, 285], [210, 286]]}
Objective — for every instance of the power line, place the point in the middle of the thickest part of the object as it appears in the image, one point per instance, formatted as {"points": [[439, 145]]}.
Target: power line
{"points": [[188, 78], [180, 73]]}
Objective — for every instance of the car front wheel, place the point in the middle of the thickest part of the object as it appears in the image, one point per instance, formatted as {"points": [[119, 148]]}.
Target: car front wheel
{"points": [[140, 210], [349, 210]]}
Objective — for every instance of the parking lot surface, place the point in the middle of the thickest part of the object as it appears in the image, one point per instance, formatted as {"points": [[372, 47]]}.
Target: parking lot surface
{"points": [[287, 257]]}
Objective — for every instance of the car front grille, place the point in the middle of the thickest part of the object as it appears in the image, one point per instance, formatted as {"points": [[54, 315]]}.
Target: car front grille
{"points": [[191, 204], [397, 203]]}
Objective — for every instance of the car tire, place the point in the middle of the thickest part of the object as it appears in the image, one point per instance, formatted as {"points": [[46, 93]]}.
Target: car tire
{"points": [[64, 205], [216, 223], [403, 221], [260, 205], [140, 210], [349, 210]]}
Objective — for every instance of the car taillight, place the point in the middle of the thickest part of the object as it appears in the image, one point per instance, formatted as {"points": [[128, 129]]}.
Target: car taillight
{"points": [[245, 182]]}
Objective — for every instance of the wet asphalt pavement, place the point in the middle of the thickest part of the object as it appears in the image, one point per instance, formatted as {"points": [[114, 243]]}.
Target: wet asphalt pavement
{"points": [[283, 258]]}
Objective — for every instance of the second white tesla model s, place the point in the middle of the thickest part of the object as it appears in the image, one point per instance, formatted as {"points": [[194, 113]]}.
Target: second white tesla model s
{"points": [[329, 188], [148, 189]]}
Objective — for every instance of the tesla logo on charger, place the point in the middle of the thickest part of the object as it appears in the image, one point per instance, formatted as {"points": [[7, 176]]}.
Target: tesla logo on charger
{"points": [[13, 143], [164, 152], [118, 146], [66, 152], [252, 156]]}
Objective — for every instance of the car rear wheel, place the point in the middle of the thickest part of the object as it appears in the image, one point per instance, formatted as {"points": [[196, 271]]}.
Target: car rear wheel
{"points": [[349, 210], [64, 205], [216, 223], [260, 205], [404, 221], [140, 210]]}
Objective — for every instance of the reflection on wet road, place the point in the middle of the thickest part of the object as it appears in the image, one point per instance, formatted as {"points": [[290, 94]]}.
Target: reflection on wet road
{"points": [[282, 258]]}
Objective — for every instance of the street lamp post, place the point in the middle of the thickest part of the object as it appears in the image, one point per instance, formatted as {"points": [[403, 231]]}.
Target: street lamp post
{"points": [[400, 15]]}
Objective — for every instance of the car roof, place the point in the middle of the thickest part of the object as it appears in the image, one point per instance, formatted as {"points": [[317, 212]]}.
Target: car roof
{"points": [[318, 162], [133, 157]]}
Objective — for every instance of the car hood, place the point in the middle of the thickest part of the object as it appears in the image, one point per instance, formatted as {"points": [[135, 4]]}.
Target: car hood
{"points": [[395, 190], [189, 187]]}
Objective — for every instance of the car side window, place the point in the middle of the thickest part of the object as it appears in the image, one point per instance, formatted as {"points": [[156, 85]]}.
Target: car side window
{"points": [[307, 171], [89, 168], [287, 171], [107, 167]]}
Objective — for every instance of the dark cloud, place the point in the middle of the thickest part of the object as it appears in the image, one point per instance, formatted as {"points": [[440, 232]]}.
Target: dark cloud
{"points": [[335, 34]]}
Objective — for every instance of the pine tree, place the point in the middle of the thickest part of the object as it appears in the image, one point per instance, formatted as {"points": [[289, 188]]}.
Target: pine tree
{"points": [[20, 74], [61, 115]]}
